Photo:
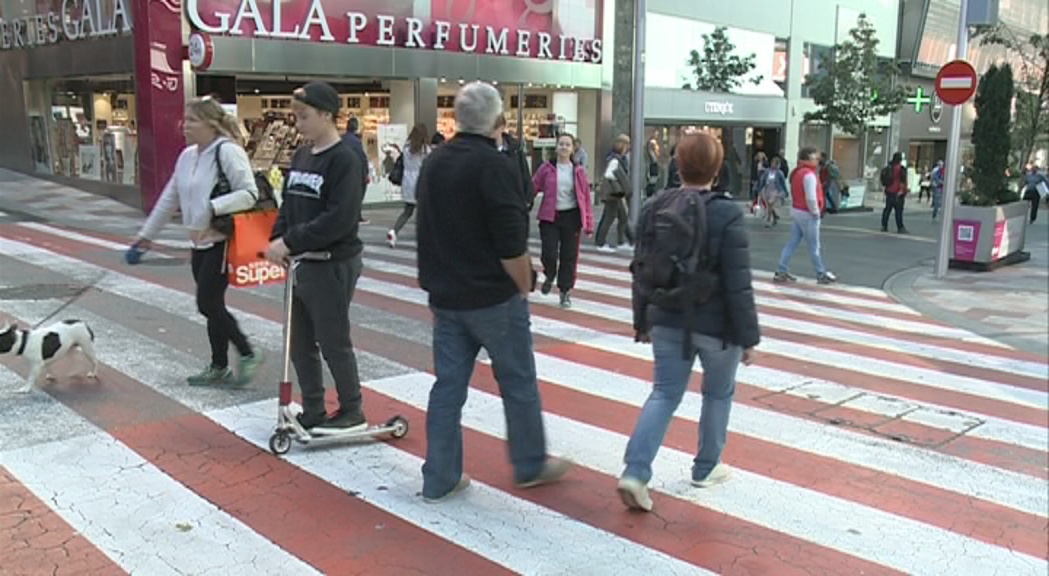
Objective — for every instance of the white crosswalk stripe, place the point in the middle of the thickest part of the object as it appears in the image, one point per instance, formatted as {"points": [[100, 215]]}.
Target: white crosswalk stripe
{"points": [[976, 509]]}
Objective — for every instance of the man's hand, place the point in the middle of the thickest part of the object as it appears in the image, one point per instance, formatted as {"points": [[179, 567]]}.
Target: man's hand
{"points": [[278, 252], [642, 337], [749, 356]]}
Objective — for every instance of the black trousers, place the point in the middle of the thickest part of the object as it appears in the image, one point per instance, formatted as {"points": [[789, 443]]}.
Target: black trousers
{"points": [[321, 325], [560, 240], [615, 211], [406, 214], [893, 203], [209, 272], [1034, 198]]}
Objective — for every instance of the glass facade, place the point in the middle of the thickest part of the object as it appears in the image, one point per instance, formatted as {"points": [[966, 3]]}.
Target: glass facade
{"points": [[84, 128], [937, 43]]}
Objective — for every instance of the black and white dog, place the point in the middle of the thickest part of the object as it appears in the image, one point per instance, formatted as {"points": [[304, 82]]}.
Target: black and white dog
{"points": [[42, 346]]}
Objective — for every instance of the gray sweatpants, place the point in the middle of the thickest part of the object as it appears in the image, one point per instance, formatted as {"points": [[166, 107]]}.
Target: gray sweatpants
{"points": [[321, 324]]}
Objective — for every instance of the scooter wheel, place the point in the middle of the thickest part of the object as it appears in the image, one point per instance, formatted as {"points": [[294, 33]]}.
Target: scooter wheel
{"points": [[399, 425], [280, 443]]}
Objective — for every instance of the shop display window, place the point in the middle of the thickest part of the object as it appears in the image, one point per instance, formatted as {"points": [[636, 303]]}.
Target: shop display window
{"points": [[84, 128]]}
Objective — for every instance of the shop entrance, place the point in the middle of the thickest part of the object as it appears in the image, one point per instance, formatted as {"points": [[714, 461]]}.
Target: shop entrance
{"points": [[385, 110], [922, 155], [743, 146]]}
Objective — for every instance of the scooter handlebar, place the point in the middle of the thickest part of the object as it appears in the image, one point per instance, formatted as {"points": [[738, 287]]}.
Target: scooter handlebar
{"points": [[316, 256]]}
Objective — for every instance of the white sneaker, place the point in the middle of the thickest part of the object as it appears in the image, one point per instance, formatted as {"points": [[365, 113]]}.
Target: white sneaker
{"points": [[719, 474], [634, 494], [605, 248], [391, 238], [626, 247]]}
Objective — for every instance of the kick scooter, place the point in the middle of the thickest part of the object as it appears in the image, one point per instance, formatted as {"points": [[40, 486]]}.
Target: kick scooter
{"points": [[288, 427]]}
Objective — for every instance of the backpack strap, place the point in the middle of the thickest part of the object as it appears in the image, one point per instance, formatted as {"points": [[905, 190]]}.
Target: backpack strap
{"points": [[697, 261]]}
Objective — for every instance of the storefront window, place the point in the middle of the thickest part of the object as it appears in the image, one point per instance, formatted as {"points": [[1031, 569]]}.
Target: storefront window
{"points": [[84, 128]]}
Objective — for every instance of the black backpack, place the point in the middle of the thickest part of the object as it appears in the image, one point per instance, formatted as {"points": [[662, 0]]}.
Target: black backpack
{"points": [[264, 201], [671, 266], [886, 176]]}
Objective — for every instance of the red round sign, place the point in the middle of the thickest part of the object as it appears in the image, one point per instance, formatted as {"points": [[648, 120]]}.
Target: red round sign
{"points": [[956, 82]]}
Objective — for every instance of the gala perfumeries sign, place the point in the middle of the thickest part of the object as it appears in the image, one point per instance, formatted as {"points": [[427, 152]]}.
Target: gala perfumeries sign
{"points": [[78, 19], [568, 30]]}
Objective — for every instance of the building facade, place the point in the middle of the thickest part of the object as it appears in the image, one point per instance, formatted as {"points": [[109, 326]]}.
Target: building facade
{"points": [[928, 39], [98, 87], [765, 113]]}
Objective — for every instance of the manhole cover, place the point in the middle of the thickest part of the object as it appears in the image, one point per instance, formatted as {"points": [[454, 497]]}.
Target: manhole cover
{"points": [[40, 291]]}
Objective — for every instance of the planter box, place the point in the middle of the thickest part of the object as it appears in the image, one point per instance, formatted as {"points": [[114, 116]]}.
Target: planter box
{"points": [[986, 237]]}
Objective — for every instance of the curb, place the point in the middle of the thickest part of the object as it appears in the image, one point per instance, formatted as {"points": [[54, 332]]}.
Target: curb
{"points": [[900, 286]]}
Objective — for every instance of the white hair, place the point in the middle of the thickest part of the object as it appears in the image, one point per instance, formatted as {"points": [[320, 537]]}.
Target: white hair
{"points": [[477, 106]]}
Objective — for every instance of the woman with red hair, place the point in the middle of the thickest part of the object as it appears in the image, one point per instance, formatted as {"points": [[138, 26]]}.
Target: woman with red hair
{"points": [[722, 330]]}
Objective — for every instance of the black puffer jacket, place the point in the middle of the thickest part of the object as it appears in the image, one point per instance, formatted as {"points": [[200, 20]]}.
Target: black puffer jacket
{"points": [[731, 313]]}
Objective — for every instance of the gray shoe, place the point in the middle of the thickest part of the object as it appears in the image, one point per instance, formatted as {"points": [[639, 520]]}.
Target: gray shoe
{"points": [[249, 366], [463, 484], [212, 376], [553, 470]]}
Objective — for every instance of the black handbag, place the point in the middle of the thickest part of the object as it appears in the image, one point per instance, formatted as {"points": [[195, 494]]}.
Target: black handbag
{"points": [[396, 175], [222, 224]]}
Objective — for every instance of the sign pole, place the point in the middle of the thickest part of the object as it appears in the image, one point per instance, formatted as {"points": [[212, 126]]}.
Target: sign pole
{"points": [[952, 167], [639, 160]]}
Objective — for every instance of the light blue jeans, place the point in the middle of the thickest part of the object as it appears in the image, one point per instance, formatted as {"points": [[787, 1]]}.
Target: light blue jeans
{"points": [[672, 373], [806, 226]]}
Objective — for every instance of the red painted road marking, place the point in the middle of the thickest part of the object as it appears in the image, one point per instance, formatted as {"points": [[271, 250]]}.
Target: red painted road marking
{"points": [[36, 540], [268, 310]]}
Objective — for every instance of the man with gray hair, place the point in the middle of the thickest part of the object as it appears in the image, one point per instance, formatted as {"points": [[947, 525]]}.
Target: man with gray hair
{"points": [[474, 264]]}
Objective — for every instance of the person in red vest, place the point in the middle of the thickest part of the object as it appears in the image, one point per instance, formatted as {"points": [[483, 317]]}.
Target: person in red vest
{"points": [[807, 212], [894, 178]]}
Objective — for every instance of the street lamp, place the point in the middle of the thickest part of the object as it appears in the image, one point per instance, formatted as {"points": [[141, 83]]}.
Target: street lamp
{"points": [[637, 139]]}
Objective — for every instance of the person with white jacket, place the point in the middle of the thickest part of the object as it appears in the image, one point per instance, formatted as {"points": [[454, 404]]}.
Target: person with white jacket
{"points": [[214, 141]]}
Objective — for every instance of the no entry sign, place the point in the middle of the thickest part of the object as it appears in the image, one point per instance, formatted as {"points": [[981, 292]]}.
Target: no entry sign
{"points": [[956, 82]]}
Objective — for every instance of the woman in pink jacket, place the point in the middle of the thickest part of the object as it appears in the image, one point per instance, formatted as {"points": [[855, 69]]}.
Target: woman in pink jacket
{"points": [[566, 210]]}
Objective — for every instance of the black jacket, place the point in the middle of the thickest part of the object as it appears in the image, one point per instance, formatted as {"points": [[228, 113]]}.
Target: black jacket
{"points": [[512, 149], [731, 313], [470, 218], [321, 211], [354, 142]]}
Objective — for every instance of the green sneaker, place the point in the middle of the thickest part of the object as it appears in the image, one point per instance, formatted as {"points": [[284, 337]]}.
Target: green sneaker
{"points": [[249, 366], [212, 376]]}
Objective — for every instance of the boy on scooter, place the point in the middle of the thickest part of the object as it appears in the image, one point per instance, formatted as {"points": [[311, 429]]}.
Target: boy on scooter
{"points": [[321, 212]]}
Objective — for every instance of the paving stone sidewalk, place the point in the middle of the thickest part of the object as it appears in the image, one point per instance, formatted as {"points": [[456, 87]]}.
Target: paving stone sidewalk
{"points": [[21, 194], [1010, 304]]}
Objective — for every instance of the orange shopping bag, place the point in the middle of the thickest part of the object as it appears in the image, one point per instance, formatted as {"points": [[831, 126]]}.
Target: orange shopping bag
{"points": [[251, 235]]}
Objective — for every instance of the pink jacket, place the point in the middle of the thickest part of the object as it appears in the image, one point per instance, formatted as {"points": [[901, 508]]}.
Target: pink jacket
{"points": [[545, 181]]}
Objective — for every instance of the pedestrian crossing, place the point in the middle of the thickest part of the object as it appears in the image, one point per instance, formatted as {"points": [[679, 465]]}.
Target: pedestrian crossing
{"points": [[867, 439]]}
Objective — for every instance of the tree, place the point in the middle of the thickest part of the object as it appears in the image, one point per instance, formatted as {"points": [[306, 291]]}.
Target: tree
{"points": [[991, 134], [1032, 94], [719, 69], [856, 86]]}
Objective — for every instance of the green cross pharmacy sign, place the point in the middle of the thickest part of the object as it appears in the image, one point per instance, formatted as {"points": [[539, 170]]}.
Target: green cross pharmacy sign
{"points": [[919, 100]]}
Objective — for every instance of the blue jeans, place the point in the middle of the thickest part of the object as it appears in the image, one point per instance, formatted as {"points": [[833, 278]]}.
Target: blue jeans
{"points": [[672, 372], [806, 226], [937, 201], [504, 331]]}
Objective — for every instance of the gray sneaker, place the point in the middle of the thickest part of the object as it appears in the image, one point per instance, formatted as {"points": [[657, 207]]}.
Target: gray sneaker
{"points": [[463, 484], [553, 470], [212, 376], [249, 366]]}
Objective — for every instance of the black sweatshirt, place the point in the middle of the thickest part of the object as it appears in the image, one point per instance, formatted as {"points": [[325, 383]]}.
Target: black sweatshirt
{"points": [[321, 210], [470, 218]]}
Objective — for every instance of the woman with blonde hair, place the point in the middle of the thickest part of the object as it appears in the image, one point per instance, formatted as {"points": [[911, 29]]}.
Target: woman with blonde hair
{"points": [[212, 177], [415, 151]]}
